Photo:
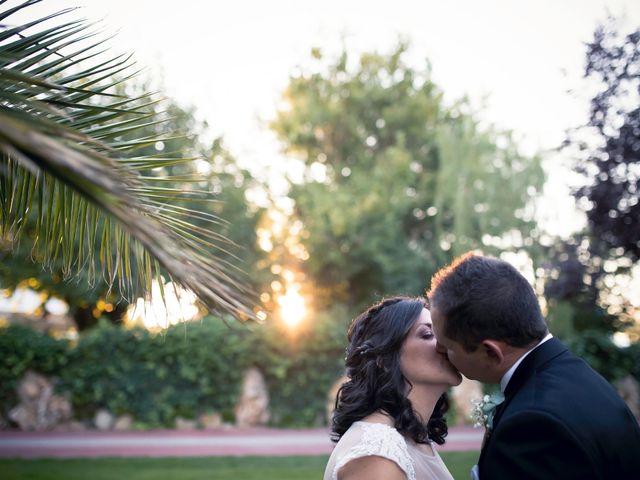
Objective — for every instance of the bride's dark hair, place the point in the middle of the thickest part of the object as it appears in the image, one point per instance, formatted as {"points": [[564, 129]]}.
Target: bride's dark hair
{"points": [[376, 382]]}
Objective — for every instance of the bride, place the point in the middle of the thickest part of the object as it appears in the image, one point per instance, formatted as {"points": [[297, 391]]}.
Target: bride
{"points": [[391, 411]]}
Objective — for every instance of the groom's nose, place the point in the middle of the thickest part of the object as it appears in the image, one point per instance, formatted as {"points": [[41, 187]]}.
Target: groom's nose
{"points": [[440, 348]]}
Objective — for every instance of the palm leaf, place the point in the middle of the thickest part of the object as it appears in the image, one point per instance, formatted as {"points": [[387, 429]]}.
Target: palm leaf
{"points": [[69, 164]]}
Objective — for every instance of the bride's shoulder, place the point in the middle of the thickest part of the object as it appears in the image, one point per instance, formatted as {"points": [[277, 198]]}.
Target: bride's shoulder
{"points": [[379, 418], [376, 428], [373, 444]]}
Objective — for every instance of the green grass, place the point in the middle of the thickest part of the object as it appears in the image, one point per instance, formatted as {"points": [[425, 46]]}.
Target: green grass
{"points": [[210, 468]]}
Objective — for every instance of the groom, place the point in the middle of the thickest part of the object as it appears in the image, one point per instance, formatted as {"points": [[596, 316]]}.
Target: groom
{"points": [[559, 419]]}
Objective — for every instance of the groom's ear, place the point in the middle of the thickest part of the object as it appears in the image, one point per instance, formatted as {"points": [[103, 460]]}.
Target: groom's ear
{"points": [[494, 351]]}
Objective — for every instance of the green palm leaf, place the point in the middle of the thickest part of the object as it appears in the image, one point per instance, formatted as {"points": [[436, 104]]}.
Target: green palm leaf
{"points": [[68, 163]]}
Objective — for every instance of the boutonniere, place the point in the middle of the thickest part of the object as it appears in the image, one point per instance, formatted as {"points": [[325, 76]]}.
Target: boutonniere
{"points": [[485, 409]]}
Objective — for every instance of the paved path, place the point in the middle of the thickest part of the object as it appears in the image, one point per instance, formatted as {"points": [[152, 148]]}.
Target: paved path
{"points": [[171, 443]]}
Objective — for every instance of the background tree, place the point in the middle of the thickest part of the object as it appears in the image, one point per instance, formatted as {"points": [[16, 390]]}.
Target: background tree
{"points": [[397, 182], [585, 288]]}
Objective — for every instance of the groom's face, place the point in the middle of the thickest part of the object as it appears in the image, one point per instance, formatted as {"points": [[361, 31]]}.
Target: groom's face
{"points": [[472, 365]]}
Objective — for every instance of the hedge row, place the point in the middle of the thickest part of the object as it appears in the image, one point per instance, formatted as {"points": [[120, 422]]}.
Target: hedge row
{"points": [[197, 367], [187, 370]]}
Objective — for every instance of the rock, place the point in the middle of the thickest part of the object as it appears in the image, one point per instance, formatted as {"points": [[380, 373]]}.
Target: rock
{"points": [[39, 408], [461, 397], [103, 420], [124, 422], [331, 397], [210, 421], [629, 389], [185, 424], [252, 408]]}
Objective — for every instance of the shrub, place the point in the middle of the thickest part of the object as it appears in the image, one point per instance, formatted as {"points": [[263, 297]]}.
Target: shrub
{"points": [[22, 349]]}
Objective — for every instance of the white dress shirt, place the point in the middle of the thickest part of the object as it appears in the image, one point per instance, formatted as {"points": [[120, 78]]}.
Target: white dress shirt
{"points": [[507, 376]]}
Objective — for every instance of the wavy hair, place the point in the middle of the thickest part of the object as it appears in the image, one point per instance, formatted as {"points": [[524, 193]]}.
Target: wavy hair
{"points": [[376, 382]]}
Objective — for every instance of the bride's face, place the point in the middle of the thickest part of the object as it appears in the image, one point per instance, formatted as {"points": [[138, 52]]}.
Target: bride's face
{"points": [[420, 361]]}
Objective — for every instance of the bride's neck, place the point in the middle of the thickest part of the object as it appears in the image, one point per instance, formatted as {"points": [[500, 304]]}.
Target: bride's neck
{"points": [[423, 400]]}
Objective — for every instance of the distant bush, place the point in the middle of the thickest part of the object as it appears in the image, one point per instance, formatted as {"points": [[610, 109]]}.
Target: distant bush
{"points": [[197, 367], [22, 349], [300, 369], [184, 371], [604, 356]]}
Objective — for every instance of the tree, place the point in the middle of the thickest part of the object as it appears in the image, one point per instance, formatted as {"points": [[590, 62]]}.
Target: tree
{"points": [[220, 176], [71, 162], [610, 153], [396, 182], [584, 287]]}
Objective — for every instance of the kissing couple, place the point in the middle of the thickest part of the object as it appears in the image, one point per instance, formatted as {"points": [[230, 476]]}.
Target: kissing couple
{"points": [[559, 418]]}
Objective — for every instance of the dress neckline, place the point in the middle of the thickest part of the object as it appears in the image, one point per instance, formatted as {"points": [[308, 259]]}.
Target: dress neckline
{"points": [[409, 442]]}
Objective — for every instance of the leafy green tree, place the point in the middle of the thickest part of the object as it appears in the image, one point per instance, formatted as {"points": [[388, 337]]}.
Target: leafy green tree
{"points": [[397, 182], [72, 163]]}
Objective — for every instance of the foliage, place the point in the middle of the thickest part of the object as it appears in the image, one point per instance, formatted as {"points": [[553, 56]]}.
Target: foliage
{"points": [[611, 361], [586, 274], [71, 164], [572, 290], [183, 371], [226, 183], [155, 378], [396, 182], [610, 161], [301, 367], [22, 349]]}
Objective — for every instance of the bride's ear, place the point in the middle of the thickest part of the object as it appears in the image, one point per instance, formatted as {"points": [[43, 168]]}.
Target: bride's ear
{"points": [[494, 351]]}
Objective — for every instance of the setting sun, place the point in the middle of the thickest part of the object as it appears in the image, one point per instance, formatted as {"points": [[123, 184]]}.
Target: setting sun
{"points": [[292, 306]]}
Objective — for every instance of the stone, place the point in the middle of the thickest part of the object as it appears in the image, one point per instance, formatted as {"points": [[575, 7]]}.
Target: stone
{"points": [[39, 408], [461, 397], [103, 420], [123, 423], [210, 421], [331, 397], [185, 424], [629, 389], [252, 407]]}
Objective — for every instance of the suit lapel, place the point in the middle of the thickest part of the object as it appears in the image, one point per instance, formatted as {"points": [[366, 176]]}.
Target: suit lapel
{"points": [[538, 357]]}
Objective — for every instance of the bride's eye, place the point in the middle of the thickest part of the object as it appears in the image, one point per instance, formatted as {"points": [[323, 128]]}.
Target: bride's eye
{"points": [[427, 335]]}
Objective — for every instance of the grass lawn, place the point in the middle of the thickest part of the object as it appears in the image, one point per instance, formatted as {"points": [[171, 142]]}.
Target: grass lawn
{"points": [[207, 468]]}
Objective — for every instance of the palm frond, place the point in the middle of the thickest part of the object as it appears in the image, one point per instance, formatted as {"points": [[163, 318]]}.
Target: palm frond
{"points": [[68, 164]]}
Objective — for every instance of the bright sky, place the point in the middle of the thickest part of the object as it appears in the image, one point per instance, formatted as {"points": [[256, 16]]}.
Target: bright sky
{"points": [[231, 59]]}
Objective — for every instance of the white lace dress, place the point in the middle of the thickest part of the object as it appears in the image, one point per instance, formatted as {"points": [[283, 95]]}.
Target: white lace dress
{"points": [[365, 439]]}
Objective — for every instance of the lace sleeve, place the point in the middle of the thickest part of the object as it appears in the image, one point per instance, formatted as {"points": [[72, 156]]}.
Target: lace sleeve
{"points": [[382, 441]]}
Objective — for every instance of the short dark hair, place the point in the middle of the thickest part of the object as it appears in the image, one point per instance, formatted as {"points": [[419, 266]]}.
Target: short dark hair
{"points": [[376, 381], [486, 298]]}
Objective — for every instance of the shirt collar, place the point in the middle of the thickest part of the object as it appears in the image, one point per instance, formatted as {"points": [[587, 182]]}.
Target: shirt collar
{"points": [[507, 376]]}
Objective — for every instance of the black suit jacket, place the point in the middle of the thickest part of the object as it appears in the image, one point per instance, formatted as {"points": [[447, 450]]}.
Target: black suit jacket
{"points": [[560, 419]]}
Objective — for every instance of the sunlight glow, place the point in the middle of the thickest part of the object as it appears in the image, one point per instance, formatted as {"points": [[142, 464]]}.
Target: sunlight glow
{"points": [[180, 305], [292, 306]]}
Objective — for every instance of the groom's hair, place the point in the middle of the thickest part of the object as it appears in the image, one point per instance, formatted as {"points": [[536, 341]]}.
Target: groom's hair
{"points": [[486, 298]]}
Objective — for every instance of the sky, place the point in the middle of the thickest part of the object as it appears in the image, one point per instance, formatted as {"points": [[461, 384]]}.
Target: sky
{"points": [[516, 61]]}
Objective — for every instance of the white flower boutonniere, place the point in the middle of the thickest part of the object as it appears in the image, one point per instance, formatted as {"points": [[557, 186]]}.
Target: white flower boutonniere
{"points": [[484, 410]]}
